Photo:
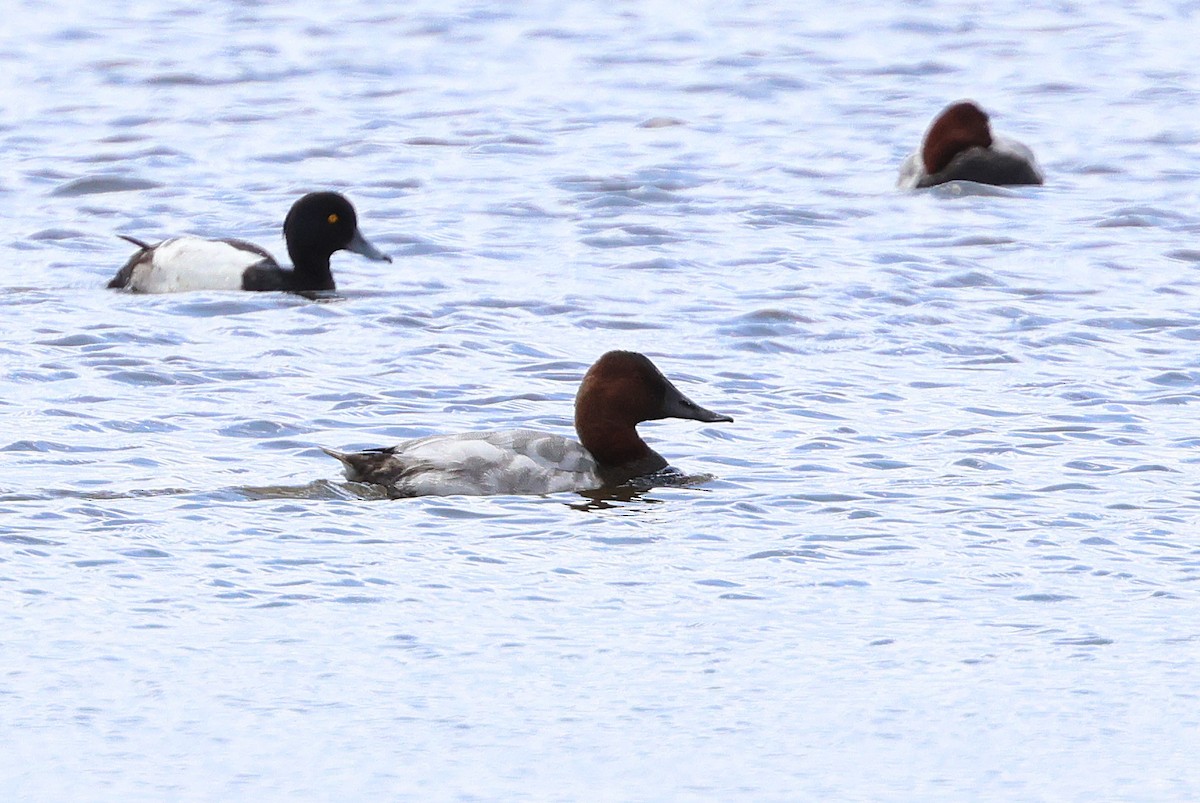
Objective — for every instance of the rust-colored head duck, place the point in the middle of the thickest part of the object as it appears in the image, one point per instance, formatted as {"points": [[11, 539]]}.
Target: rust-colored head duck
{"points": [[960, 146], [621, 390]]}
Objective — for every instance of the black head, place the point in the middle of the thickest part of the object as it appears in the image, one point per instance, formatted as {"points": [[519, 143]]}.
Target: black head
{"points": [[321, 223]]}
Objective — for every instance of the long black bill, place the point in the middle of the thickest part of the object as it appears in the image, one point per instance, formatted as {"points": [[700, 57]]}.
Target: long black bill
{"points": [[676, 405]]}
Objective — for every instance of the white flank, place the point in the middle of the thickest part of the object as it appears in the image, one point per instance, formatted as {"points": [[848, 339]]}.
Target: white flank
{"points": [[192, 263], [511, 462], [911, 172]]}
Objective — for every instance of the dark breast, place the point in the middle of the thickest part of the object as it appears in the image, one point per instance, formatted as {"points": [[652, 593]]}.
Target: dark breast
{"points": [[265, 274], [266, 278], [985, 166], [619, 475]]}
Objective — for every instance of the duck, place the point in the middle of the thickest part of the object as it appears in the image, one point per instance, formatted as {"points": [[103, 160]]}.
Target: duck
{"points": [[619, 391], [318, 224], [960, 146]]}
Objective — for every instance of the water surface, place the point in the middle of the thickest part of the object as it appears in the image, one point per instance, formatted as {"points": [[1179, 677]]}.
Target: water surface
{"points": [[949, 547]]}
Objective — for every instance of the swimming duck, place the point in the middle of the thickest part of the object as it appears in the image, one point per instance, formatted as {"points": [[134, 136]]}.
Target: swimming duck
{"points": [[318, 224], [959, 146], [622, 389]]}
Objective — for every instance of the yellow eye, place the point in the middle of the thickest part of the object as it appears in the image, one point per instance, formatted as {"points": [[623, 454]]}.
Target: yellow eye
{"points": [[333, 218]]}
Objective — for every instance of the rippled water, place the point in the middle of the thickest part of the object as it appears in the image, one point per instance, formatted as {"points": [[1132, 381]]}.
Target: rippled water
{"points": [[950, 549]]}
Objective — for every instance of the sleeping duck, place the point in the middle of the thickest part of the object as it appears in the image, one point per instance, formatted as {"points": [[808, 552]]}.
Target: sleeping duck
{"points": [[960, 146]]}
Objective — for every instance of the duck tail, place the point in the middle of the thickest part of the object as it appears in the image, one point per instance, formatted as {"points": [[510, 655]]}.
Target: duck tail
{"points": [[346, 459], [369, 466], [142, 245]]}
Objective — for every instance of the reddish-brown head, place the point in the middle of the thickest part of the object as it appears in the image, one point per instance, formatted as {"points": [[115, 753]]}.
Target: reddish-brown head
{"points": [[622, 389], [960, 126]]}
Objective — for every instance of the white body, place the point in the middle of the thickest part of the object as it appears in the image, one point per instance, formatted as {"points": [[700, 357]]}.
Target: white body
{"points": [[192, 263], [519, 461]]}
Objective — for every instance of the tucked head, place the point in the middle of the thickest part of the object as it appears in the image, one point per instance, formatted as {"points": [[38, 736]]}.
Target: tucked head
{"points": [[321, 223], [626, 387], [960, 126]]}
